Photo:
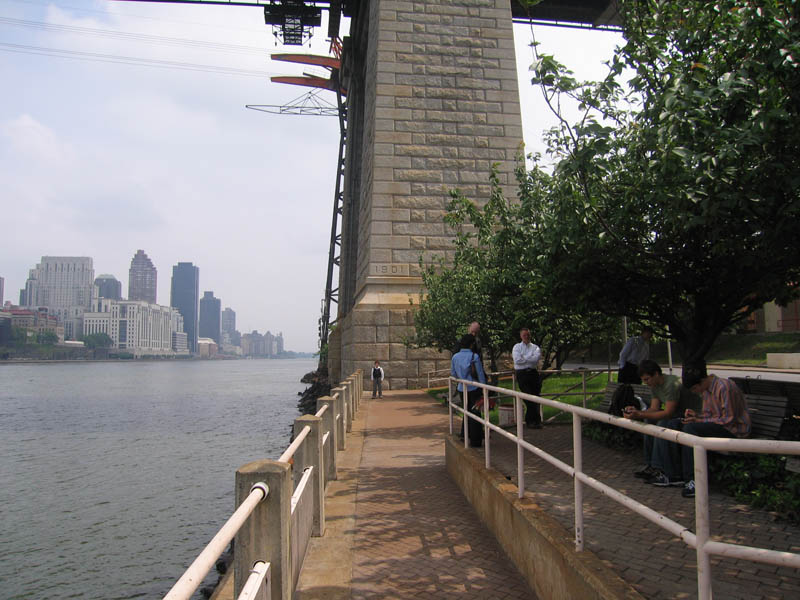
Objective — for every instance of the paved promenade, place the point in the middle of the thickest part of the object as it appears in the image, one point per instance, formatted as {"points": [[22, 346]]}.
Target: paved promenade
{"points": [[653, 561], [397, 526]]}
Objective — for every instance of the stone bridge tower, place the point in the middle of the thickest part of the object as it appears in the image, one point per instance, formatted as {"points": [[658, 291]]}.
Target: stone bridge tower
{"points": [[433, 104]]}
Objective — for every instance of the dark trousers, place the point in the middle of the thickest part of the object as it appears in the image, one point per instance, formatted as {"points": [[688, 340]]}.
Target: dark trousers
{"points": [[529, 383], [629, 374], [474, 428]]}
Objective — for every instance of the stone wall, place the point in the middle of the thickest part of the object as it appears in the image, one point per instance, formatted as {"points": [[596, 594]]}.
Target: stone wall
{"points": [[433, 86]]}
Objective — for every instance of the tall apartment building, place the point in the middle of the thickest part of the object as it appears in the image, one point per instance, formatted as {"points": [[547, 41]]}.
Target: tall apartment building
{"points": [[279, 343], [109, 287], [65, 286], [184, 295], [229, 321], [142, 278], [210, 311], [135, 326]]}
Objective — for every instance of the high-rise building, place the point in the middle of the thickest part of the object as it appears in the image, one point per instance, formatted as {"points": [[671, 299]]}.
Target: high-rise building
{"points": [[229, 321], [210, 317], [109, 287], [279, 344], [142, 278], [2, 283], [184, 295], [65, 286]]}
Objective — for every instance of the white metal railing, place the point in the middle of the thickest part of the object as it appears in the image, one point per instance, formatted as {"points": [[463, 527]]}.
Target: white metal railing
{"points": [[267, 565], [700, 539]]}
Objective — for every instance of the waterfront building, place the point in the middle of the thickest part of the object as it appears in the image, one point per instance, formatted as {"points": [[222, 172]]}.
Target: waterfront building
{"points": [[65, 286], [210, 311], [35, 321], [142, 278], [228, 323], [135, 326], [207, 347], [253, 344], [2, 286], [184, 295], [109, 287], [279, 344], [269, 344]]}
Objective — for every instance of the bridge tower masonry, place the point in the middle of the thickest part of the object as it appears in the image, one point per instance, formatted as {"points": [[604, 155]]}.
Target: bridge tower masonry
{"points": [[433, 103]]}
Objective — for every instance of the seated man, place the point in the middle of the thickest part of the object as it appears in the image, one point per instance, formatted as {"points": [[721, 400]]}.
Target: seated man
{"points": [[666, 391], [724, 414]]}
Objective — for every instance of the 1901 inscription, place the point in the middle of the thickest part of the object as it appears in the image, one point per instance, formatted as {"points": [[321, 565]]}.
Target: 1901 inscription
{"points": [[389, 269]]}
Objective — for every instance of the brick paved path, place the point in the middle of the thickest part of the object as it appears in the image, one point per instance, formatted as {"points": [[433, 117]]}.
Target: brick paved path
{"points": [[653, 561], [398, 527]]}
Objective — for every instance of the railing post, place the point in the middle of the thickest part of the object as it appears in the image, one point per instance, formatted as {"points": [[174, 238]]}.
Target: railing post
{"points": [[486, 430], [348, 402], [577, 444], [266, 534], [356, 396], [311, 456], [449, 402], [341, 423], [329, 426], [583, 384], [702, 525], [466, 418], [520, 450]]}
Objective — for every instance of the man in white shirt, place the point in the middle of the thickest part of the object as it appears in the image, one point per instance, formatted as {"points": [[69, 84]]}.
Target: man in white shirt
{"points": [[526, 357]]}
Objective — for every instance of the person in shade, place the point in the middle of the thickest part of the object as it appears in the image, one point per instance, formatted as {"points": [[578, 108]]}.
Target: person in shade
{"points": [[724, 414], [669, 401], [526, 357], [635, 350], [461, 367], [377, 379]]}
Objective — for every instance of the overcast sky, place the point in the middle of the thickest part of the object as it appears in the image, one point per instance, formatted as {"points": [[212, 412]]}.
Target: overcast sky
{"points": [[100, 158]]}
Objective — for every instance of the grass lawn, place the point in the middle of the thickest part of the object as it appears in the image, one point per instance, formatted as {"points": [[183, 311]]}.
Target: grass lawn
{"points": [[551, 386]]}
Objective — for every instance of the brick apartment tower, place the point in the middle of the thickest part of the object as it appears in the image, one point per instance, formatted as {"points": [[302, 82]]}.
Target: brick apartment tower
{"points": [[433, 103]]}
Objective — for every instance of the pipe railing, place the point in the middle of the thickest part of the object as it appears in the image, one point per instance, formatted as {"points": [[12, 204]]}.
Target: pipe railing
{"points": [[700, 539], [269, 550]]}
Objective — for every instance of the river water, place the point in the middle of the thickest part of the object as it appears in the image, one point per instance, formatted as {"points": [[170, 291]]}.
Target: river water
{"points": [[113, 476]]}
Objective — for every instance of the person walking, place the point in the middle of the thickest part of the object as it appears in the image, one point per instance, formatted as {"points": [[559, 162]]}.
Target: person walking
{"points": [[526, 357], [377, 379], [466, 365]]}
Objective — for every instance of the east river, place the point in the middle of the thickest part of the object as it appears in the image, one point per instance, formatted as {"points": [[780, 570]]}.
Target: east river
{"points": [[113, 476]]}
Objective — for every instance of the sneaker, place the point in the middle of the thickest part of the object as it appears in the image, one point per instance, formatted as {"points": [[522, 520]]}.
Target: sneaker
{"points": [[646, 472], [688, 489], [661, 480]]}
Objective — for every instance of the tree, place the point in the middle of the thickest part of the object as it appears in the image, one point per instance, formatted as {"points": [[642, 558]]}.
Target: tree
{"points": [[675, 197], [495, 278], [46, 337], [97, 340]]}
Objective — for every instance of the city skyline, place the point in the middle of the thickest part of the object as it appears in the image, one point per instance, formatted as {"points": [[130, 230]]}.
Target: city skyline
{"points": [[170, 161]]}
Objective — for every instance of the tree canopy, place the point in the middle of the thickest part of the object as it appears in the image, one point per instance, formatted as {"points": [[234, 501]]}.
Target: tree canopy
{"points": [[674, 198]]}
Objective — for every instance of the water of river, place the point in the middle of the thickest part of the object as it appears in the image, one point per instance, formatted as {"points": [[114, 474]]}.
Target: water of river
{"points": [[113, 476]]}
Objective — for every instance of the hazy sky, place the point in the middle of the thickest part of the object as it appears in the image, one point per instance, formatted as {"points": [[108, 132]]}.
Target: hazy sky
{"points": [[100, 158]]}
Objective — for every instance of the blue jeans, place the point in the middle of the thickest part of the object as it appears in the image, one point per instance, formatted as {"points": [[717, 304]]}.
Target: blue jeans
{"points": [[677, 460], [649, 443]]}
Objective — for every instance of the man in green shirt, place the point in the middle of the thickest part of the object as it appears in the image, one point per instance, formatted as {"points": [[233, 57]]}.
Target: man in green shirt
{"points": [[669, 401]]}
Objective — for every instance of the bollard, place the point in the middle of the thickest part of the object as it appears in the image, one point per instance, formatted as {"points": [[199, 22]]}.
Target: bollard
{"points": [[329, 426], [310, 455], [341, 422], [265, 536], [353, 381]]}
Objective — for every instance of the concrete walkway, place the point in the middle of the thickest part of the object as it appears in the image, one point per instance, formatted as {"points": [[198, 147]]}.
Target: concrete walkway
{"points": [[397, 526], [654, 562]]}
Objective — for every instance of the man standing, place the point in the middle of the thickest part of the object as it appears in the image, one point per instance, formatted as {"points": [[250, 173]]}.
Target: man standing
{"points": [[461, 367], [377, 379], [526, 357], [635, 350]]}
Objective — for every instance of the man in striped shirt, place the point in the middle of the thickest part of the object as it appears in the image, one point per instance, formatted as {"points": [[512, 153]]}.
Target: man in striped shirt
{"points": [[724, 414]]}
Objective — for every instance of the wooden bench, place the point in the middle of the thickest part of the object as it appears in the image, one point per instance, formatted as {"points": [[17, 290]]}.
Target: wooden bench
{"points": [[767, 414]]}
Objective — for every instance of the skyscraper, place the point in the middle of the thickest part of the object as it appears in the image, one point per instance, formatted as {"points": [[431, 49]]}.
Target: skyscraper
{"points": [[109, 287], [229, 321], [2, 283], [142, 278], [65, 286], [184, 295], [210, 316]]}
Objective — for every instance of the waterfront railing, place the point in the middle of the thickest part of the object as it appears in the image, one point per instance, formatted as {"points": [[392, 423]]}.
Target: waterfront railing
{"points": [[700, 539], [280, 504]]}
